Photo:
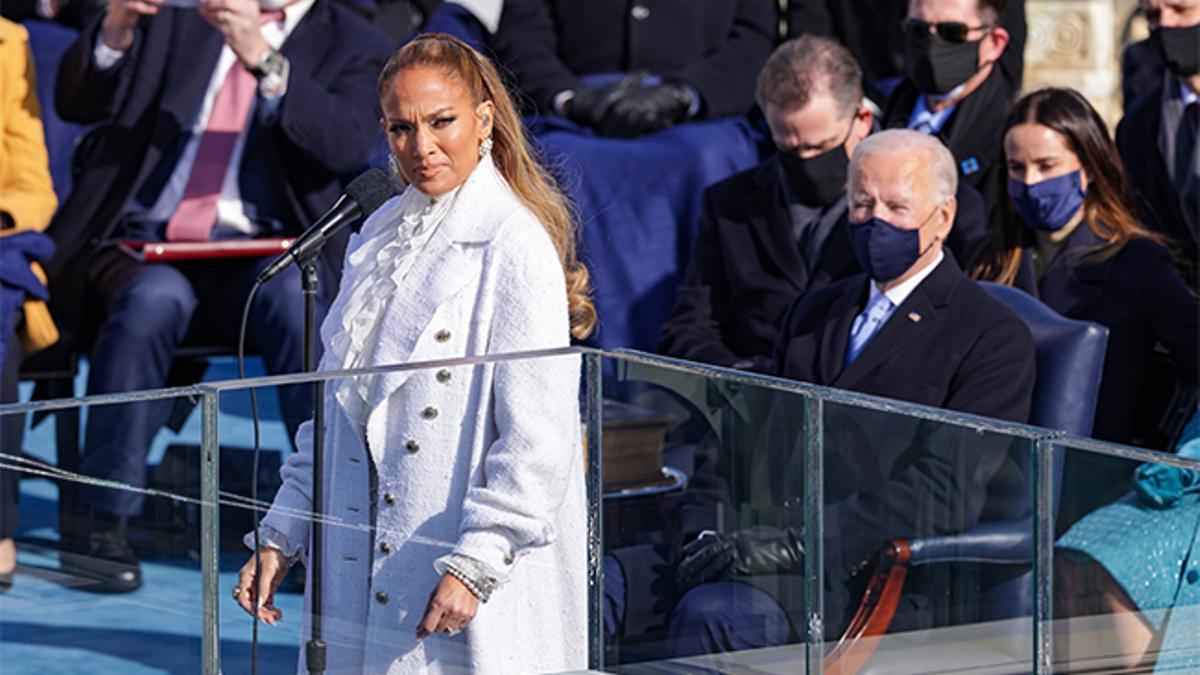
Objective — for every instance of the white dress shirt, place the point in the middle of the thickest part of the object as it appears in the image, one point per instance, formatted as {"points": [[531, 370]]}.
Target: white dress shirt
{"points": [[231, 214]]}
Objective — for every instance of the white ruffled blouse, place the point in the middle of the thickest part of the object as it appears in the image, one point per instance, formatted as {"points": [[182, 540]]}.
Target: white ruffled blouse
{"points": [[391, 242]]}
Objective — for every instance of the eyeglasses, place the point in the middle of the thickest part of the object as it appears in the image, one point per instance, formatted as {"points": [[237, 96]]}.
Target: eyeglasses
{"points": [[950, 31]]}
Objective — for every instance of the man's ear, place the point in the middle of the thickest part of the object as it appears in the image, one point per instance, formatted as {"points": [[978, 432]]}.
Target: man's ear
{"points": [[993, 45], [948, 209]]}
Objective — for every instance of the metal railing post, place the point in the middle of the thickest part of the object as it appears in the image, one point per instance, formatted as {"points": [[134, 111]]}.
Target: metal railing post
{"points": [[210, 528], [594, 418], [814, 516], [1043, 555]]}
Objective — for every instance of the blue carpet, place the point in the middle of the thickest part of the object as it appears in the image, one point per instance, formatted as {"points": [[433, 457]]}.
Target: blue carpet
{"points": [[48, 626]]}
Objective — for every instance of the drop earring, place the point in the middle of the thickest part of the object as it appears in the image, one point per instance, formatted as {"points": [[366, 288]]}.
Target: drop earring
{"points": [[393, 166], [485, 148]]}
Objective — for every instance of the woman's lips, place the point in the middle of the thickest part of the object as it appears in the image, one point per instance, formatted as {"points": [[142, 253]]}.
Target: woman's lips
{"points": [[430, 171]]}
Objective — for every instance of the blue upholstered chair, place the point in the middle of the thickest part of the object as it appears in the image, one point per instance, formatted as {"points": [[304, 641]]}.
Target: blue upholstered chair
{"points": [[1070, 361]]}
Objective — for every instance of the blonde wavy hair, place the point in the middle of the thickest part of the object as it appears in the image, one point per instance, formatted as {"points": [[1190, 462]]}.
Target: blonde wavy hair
{"points": [[512, 154]]}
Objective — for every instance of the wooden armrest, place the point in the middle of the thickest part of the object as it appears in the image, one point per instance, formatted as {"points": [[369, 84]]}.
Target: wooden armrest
{"points": [[875, 612]]}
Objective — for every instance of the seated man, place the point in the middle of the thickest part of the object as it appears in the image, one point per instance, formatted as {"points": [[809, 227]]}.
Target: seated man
{"points": [[1158, 137], [775, 231], [600, 72], [224, 123], [911, 327], [705, 54], [871, 30], [957, 90]]}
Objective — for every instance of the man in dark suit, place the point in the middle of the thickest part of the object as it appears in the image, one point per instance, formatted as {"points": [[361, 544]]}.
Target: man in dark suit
{"points": [[773, 232], [223, 123], [911, 327], [703, 56], [1157, 138], [956, 89], [871, 30]]}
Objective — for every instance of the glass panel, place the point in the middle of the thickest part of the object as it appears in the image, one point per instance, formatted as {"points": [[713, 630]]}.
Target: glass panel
{"points": [[703, 519], [108, 577], [474, 469], [1127, 564], [928, 540]]}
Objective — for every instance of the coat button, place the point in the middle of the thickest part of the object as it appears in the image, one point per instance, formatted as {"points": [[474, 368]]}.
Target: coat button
{"points": [[381, 598], [442, 335], [429, 413], [389, 498], [640, 12], [385, 547], [411, 446], [1193, 576], [443, 376]]}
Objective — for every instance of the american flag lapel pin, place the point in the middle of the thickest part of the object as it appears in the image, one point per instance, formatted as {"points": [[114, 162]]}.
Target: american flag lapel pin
{"points": [[914, 317]]}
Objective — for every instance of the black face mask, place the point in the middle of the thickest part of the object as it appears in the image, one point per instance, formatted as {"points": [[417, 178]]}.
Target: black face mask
{"points": [[936, 65], [1179, 49], [819, 180]]}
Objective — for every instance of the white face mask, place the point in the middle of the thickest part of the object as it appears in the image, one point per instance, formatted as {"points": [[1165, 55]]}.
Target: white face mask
{"points": [[273, 5]]}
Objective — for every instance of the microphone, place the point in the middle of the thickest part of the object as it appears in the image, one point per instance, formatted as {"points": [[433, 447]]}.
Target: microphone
{"points": [[362, 197]]}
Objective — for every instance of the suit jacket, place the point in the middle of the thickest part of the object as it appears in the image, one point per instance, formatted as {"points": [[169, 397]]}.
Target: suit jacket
{"points": [[747, 270], [1158, 201], [717, 46], [870, 29], [949, 345], [1139, 296], [484, 460], [973, 134], [294, 165], [1142, 70]]}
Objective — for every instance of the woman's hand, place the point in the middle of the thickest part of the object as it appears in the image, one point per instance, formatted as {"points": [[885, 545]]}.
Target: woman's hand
{"points": [[451, 607], [273, 566]]}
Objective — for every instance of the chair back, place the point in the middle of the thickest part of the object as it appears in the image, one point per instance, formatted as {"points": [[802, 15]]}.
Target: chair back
{"points": [[1070, 362]]}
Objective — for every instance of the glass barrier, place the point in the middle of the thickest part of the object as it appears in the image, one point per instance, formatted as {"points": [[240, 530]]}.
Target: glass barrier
{"points": [[438, 481], [697, 467], [1126, 584], [683, 519], [108, 576]]}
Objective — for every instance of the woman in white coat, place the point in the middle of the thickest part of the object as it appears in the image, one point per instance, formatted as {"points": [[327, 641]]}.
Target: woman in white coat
{"points": [[455, 496]]}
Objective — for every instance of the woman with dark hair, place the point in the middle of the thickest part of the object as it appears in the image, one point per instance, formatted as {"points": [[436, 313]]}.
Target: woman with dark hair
{"points": [[459, 485], [1071, 238]]}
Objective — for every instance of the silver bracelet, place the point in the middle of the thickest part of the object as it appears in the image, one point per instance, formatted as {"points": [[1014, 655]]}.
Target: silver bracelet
{"points": [[475, 575]]}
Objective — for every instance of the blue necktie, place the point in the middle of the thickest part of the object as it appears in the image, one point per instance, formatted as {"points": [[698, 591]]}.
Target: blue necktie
{"points": [[866, 325]]}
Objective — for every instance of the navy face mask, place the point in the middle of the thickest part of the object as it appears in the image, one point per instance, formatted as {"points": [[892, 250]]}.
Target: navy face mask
{"points": [[884, 250], [1050, 204]]}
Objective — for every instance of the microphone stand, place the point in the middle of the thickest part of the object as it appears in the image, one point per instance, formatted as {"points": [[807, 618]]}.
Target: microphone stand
{"points": [[314, 649]]}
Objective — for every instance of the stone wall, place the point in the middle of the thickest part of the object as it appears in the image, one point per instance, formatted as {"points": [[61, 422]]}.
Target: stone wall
{"points": [[1077, 43]]}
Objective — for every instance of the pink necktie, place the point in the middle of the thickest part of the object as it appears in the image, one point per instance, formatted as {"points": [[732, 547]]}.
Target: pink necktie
{"points": [[197, 212]]}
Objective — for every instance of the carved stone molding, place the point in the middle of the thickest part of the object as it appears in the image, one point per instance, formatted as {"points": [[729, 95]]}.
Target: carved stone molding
{"points": [[1075, 43]]}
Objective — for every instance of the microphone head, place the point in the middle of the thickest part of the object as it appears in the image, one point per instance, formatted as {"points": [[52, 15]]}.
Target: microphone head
{"points": [[370, 190]]}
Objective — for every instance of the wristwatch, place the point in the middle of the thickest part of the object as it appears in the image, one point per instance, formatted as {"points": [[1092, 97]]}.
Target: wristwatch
{"points": [[271, 72]]}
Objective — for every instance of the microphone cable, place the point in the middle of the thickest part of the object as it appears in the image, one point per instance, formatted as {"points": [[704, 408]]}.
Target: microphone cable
{"points": [[241, 370]]}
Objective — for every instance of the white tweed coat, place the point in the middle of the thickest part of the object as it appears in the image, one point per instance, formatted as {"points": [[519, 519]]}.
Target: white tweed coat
{"points": [[483, 460]]}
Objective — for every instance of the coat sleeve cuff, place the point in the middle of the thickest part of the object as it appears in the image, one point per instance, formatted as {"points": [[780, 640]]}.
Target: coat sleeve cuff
{"points": [[490, 548]]}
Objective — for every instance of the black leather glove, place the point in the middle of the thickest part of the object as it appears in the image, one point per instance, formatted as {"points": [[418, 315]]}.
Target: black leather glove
{"points": [[590, 106], [758, 550], [645, 109]]}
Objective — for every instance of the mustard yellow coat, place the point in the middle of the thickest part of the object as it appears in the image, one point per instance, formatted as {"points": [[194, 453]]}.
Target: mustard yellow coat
{"points": [[26, 192]]}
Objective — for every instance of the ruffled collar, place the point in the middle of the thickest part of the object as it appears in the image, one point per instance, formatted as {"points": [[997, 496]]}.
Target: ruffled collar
{"points": [[375, 269]]}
